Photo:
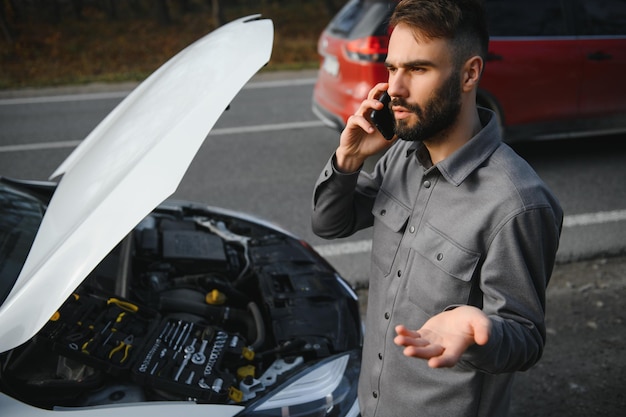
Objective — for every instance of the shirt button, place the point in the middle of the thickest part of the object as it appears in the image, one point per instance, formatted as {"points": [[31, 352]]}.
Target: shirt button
{"points": [[387, 315], [439, 256], [427, 184], [326, 174], [412, 229], [380, 356], [375, 394], [399, 273], [383, 212]]}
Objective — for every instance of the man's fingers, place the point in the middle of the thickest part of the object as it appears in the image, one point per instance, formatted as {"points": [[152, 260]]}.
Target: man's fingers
{"points": [[361, 122], [443, 361], [403, 331], [449, 357], [435, 354], [415, 345], [427, 351], [410, 341], [377, 90]]}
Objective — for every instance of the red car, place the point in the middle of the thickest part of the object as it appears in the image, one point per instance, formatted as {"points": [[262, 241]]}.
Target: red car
{"points": [[555, 69]]}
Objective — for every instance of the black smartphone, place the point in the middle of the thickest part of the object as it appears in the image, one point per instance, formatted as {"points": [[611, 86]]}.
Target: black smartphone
{"points": [[383, 119]]}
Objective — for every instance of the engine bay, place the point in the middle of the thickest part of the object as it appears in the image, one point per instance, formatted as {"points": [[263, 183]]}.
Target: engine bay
{"points": [[194, 304]]}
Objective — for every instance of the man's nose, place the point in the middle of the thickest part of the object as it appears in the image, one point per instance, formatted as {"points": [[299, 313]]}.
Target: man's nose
{"points": [[397, 88]]}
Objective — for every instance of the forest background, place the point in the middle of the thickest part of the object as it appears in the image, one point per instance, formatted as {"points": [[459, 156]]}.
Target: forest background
{"points": [[58, 42]]}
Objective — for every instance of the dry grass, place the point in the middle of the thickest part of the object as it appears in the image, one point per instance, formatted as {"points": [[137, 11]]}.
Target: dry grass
{"points": [[97, 49]]}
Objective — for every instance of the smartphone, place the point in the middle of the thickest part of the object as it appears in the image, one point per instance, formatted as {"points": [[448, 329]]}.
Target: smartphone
{"points": [[383, 119]]}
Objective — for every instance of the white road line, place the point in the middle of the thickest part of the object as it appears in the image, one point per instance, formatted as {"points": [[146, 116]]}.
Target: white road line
{"points": [[106, 95], [64, 98], [215, 132], [594, 218], [587, 219], [348, 248], [39, 146], [266, 128], [279, 83]]}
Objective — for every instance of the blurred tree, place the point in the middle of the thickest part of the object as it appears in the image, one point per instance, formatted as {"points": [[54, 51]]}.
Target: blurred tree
{"points": [[331, 7], [217, 12], [77, 8], [111, 8], [4, 24], [136, 7], [185, 6], [163, 12]]}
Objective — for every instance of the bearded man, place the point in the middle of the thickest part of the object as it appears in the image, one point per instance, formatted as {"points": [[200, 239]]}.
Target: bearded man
{"points": [[465, 233]]}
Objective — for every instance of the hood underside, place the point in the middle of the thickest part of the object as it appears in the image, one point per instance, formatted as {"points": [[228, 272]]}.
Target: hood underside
{"points": [[132, 161]]}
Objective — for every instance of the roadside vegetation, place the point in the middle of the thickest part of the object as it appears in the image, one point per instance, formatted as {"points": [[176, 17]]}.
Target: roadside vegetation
{"points": [[58, 42]]}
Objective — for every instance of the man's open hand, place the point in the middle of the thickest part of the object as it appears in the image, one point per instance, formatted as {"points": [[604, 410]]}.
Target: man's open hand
{"points": [[444, 337]]}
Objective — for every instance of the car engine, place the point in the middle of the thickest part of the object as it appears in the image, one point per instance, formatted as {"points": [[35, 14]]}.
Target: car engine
{"points": [[194, 304]]}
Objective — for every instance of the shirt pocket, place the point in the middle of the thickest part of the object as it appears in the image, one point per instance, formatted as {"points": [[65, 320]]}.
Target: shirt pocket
{"points": [[390, 220], [440, 271]]}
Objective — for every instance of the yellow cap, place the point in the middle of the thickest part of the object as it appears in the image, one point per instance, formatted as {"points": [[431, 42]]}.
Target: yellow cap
{"points": [[235, 395], [247, 353], [244, 371], [215, 298]]}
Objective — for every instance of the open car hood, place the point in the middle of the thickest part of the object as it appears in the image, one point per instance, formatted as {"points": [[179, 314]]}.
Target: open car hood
{"points": [[130, 163]]}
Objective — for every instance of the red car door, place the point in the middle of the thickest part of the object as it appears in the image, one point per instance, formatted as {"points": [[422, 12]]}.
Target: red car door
{"points": [[533, 70], [602, 28], [533, 80]]}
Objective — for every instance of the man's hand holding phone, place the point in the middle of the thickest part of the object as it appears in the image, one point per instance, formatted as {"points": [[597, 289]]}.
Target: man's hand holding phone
{"points": [[361, 138]]}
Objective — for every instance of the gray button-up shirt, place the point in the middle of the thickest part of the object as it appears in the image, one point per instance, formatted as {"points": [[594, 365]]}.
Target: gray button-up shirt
{"points": [[479, 228]]}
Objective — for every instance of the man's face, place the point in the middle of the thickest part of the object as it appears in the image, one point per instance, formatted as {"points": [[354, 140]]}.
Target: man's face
{"points": [[437, 115], [424, 84]]}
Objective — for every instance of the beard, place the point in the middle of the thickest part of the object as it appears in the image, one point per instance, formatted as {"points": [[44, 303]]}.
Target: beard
{"points": [[438, 115]]}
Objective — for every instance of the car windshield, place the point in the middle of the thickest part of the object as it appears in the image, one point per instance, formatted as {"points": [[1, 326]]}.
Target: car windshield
{"points": [[20, 217], [361, 18]]}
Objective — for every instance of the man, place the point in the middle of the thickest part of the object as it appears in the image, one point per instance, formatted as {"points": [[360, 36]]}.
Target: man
{"points": [[465, 233]]}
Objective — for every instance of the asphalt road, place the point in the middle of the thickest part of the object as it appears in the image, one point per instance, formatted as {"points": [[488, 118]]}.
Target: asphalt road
{"points": [[264, 155]]}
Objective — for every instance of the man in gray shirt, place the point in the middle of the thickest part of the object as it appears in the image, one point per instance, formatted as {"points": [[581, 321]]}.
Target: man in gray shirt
{"points": [[465, 233]]}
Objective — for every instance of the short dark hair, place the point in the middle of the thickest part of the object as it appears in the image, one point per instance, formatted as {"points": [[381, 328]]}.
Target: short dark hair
{"points": [[462, 22]]}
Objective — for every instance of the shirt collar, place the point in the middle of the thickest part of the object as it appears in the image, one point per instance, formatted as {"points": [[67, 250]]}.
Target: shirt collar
{"points": [[470, 156]]}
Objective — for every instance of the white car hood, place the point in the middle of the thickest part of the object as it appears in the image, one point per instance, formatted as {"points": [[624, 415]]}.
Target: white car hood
{"points": [[132, 161]]}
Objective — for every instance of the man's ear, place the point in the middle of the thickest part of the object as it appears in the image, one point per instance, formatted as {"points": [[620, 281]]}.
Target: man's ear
{"points": [[472, 70]]}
